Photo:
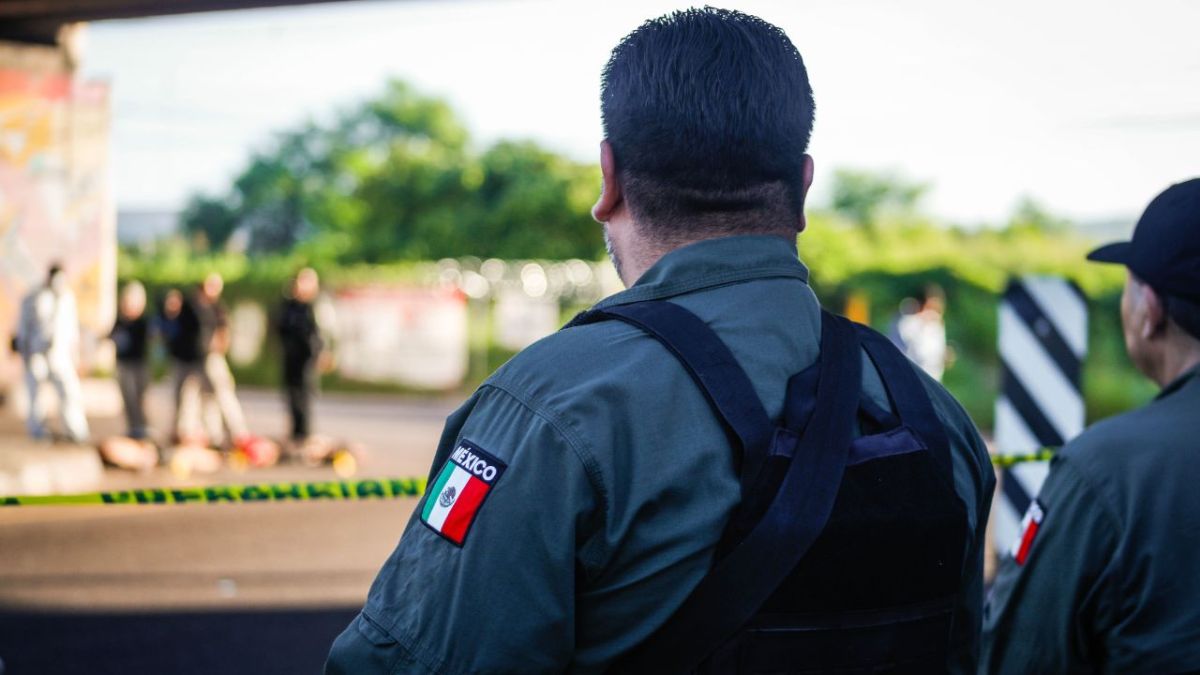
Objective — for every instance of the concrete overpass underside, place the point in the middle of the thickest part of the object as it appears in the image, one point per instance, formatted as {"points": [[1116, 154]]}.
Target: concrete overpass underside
{"points": [[39, 21]]}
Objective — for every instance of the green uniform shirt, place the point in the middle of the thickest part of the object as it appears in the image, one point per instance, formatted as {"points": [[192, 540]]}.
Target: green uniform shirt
{"points": [[618, 484], [1112, 579]]}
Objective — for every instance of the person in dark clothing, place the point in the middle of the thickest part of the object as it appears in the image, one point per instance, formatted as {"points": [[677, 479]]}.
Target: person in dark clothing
{"points": [[130, 335], [300, 336], [170, 322]]}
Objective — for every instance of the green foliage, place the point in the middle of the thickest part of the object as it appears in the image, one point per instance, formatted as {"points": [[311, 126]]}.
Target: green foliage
{"points": [[209, 223], [394, 179], [394, 186], [899, 256], [862, 196]]}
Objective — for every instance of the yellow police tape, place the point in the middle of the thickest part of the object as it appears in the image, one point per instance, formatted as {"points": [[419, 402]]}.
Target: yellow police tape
{"points": [[342, 490], [1007, 461]]}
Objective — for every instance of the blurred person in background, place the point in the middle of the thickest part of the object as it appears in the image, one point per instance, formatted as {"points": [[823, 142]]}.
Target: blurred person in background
{"points": [[202, 376], [130, 336], [300, 336], [181, 331], [168, 323], [921, 332], [48, 340], [216, 380], [1105, 574]]}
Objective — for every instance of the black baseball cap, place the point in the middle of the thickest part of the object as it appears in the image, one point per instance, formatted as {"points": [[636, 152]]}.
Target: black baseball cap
{"points": [[1165, 249]]}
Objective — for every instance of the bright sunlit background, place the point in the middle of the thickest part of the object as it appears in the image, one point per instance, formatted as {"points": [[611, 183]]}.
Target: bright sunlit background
{"points": [[1088, 107], [435, 164]]}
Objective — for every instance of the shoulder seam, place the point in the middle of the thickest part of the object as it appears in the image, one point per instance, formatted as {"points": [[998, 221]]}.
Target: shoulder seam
{"points": [[562, 426], [1115, 566], [1097, 495]]}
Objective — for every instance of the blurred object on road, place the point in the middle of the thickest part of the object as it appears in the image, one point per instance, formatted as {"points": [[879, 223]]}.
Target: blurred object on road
{"points": [[188, 459], [129, 453], [255, 451]]}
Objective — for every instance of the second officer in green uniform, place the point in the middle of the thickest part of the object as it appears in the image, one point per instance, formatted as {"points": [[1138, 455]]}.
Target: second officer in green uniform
{"points": [[1109, 577]]}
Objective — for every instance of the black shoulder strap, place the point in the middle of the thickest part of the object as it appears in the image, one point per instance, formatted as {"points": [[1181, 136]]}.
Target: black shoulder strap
{"points": [[743, 580], [711, 365], [908, 395]]}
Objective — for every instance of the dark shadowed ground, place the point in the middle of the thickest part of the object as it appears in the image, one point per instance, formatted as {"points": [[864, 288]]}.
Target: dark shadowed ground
{"points": [[207, 588]]}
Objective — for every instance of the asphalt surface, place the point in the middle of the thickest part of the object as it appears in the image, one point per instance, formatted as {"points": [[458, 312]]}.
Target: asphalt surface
{"points": [[199, 643], [208, 588]]}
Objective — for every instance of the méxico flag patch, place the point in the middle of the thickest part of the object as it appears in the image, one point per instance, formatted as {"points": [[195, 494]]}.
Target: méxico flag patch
{"points": [[1030, 525], [465, 480]]}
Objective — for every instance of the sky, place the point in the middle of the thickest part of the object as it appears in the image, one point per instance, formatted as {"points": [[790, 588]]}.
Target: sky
{"points": [[1091, 108]]}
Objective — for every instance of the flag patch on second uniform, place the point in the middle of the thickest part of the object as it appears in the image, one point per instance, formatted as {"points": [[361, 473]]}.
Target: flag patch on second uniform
{"points": [[1030, 525], [465, 480]]}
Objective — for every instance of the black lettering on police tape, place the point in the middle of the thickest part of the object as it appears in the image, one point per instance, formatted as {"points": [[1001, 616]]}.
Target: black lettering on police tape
{"points": [[255, 493], [321, 490], [281, 491], [150, 496], [187, 495], [219, 494], [409, 487], [336, 490], [369, 488]]}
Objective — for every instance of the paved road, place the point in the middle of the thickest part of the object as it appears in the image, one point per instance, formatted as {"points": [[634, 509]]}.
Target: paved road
{"points": [[220, 588], [186, 643]]}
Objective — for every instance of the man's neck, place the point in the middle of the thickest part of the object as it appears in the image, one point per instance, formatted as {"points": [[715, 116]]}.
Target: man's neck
{"points": [[1178, 361], [647, 253]]}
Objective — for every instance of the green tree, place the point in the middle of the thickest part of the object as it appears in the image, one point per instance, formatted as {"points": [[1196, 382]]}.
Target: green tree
{"points": [[862, 196], [209, 221], [394, 179], [531, 199], [1033, 217]]}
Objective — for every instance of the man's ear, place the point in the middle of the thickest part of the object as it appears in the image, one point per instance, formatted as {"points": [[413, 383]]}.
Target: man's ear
{"points": [[806, 179], [1154, 313], [610, 191]]}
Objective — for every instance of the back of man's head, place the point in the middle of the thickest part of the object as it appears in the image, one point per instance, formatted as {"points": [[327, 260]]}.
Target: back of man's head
{"points": [[709, 112], [1184, 312]]}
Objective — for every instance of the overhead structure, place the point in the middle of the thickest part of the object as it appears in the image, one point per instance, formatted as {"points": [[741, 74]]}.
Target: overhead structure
{"points": [[39, 21]]}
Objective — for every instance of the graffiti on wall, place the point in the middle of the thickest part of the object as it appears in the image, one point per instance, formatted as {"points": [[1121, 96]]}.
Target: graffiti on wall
{"points": [[54, 199]]}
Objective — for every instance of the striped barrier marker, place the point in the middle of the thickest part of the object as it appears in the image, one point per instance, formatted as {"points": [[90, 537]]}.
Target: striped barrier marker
{"points": [[1043, 340]]}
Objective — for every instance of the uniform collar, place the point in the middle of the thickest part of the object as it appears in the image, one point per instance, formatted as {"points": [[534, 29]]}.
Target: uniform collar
{"points": [[1180, 382], [711, 263]]}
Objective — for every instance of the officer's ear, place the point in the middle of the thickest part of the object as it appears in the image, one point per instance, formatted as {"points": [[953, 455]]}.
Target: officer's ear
{"points": [[806, 179], [610, 190], [1154, 312]]}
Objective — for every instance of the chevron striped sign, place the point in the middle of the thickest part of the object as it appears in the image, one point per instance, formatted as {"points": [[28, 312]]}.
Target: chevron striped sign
{"points": [[1043, 339]]}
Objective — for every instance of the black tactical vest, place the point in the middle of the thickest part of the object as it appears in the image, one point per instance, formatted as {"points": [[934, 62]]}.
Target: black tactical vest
{"points": [[846, 554]]}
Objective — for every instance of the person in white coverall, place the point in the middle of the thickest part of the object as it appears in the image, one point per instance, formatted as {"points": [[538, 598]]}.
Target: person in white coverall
{"points": [[48, 340]]}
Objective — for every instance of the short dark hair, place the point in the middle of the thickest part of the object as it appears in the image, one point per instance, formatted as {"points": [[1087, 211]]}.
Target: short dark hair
{"points": [[709, 113], [1184, 312]]}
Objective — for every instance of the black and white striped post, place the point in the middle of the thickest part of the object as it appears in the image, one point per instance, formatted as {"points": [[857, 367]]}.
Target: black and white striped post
{"points": [[1043, 339]]}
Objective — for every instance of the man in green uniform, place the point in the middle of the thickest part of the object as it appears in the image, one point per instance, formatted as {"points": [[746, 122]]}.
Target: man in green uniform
{"points": [[1106, 574], [578, 496]]}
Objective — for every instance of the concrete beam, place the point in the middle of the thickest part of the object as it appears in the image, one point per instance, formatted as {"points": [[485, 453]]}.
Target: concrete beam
{"points": [[39, 12]]}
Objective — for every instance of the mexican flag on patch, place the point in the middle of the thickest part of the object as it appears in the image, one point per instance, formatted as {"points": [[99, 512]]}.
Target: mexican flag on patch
{"points": [[466, 478]]}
